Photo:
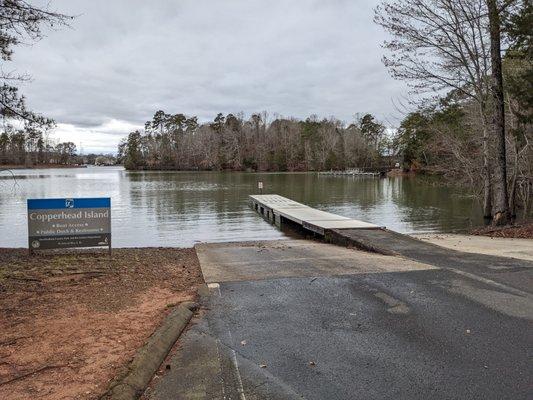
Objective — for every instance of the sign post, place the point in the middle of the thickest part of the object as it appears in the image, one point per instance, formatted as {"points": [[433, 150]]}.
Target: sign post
{"points": [[260, 186], [66, 223]]}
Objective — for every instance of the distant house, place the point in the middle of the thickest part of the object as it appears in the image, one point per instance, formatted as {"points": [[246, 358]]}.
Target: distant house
{"points": [[105, 160]]}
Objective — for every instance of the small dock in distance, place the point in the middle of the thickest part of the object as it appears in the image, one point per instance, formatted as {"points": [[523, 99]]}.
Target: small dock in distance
{"points": [[352, 172], [278, 209]]}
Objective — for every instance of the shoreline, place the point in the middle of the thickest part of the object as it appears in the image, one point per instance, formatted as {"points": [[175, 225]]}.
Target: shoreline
{"points": [[519, 230], [41, 166]]}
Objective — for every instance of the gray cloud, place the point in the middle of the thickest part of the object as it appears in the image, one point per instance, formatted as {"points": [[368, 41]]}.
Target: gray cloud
{"points": [[124, 59]]}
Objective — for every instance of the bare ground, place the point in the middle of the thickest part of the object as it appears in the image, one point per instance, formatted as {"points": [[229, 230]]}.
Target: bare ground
{"points": [[71, 321]]}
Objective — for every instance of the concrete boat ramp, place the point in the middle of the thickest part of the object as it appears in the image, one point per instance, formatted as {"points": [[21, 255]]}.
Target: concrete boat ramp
{"points": [[305, 319]]}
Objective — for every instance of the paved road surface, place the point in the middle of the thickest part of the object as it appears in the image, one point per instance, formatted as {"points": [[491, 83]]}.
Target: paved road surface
{"points": [[299, 319]]}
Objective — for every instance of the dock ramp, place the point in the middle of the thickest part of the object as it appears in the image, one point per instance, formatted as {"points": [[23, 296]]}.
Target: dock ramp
{"points": [[277, 208]]}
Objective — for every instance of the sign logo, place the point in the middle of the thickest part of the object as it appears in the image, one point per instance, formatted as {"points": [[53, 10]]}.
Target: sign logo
{"points": [[69, 203]]}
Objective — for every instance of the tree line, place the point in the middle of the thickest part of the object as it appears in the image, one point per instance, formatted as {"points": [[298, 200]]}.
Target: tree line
{"points": [[470, 69], [31, 146], [23, 140], [231, 142]]}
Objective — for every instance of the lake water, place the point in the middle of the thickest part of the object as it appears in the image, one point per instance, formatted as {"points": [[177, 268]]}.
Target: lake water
{"points": [[182, 208]]}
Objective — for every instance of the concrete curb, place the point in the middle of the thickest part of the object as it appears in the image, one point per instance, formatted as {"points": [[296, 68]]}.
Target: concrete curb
{"points": [[131, 384]]}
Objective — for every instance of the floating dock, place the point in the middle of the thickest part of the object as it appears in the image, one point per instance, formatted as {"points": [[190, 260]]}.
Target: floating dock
{"points": [[350, 172], [278, 209]]}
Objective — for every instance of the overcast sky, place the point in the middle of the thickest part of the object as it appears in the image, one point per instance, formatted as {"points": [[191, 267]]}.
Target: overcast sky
{"points": [[122, 60]]}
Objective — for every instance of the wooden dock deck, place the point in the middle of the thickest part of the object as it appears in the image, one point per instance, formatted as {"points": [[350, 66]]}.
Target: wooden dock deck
{"points": [[278, 209]]}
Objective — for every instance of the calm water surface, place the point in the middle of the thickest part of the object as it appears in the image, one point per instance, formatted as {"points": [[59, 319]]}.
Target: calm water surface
{"points": [[182, 208]]}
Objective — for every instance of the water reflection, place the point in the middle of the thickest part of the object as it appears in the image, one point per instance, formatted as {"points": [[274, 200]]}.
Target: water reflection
{"points": [[182, 208]]}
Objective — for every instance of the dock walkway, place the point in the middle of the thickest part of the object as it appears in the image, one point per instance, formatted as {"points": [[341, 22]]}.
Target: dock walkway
{"points": [[278, 209]]}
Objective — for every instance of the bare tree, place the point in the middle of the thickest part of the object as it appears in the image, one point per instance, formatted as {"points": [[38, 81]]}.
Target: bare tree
{"points": [[501, 196], [442, 45], [21, 22]]}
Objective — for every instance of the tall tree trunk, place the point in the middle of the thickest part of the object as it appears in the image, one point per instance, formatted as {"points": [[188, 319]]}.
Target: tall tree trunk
{"points": [[487, 192], [514, 176], [512, 195], [501, 215]]}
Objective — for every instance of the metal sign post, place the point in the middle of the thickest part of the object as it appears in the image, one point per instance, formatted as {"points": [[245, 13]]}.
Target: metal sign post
{"points": [[66, 223]]}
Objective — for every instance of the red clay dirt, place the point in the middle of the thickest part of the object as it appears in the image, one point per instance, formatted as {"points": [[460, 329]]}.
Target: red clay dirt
{"points": [[71, 322]]}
